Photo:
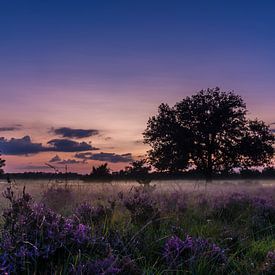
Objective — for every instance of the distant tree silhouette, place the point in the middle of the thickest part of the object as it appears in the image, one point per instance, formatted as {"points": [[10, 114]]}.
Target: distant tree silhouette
{"points": [[2, 164], [139, 170], [101, 172], [208, 131]]}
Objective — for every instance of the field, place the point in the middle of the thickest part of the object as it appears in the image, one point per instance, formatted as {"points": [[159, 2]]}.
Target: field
{"points": [[171, 227]]}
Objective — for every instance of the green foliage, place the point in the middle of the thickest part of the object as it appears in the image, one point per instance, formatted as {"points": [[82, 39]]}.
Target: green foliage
{"points": [[141, 234]]}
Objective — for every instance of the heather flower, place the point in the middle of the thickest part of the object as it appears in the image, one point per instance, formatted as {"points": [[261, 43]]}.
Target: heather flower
{"points": [[93, 215], [108, 266], [185, 253], [141, 206], [269, 263], [231, 206], [263, 214], [32, 232], [174, 202]]}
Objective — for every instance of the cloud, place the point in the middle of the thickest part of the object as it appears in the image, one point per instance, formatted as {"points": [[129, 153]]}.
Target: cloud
{"points": [[57, 160], [67, 145], [20, 146], [108, 157], [71, 161], [10, 128], [25, 146], [67, 132]]}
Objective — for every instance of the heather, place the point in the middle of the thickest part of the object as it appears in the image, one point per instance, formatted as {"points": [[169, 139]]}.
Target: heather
{"points": [[128, 228]]}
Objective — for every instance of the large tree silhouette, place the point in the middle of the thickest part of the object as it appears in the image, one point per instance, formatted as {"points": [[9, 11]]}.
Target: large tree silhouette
{"points": [[208, 131], [2, 164]]}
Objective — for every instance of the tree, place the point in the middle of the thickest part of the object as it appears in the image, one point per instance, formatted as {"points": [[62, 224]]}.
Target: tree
{"points": [[139, 170], [208, 131], [102, 172], [2, 164]]}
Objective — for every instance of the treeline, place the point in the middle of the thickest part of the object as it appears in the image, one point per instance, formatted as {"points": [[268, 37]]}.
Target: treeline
{"points": [[126, 175], [41, 176]]}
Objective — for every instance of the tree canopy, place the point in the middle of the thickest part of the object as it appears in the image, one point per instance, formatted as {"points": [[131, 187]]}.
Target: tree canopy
{"points": [[208, 131], [2, 164]]}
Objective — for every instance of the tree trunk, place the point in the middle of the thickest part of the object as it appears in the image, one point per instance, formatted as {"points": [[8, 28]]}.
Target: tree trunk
{"points": [[209, 170]]}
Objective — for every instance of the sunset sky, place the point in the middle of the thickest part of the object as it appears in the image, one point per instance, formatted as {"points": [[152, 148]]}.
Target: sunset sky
{"points": [[79, 79]]}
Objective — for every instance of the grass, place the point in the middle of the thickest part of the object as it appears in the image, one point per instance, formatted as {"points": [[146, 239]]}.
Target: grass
{"points": [[244, 231]]}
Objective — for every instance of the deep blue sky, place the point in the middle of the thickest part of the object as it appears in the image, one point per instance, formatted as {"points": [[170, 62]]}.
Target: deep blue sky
{"points": [[108, 64]]}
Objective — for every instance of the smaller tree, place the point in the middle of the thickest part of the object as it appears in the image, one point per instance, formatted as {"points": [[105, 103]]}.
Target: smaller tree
{"points": [[140, 171], [2, 164], [101, 172]]}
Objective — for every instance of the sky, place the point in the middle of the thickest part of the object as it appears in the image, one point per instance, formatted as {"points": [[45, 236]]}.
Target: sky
{"points": [[79, 79]]}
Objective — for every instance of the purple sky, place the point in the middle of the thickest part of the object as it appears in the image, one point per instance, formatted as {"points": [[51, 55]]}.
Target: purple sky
{"points": [[107, 65]]}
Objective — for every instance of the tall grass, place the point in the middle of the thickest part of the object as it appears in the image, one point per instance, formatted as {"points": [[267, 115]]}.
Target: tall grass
{"points": [[119, 229]]}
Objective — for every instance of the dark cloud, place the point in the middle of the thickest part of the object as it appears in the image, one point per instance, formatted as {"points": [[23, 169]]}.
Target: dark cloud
{"points": [[20, 146], [25, 146], [10, 128], [108, 157], [67, 132], [67, 145], [7, 129]]}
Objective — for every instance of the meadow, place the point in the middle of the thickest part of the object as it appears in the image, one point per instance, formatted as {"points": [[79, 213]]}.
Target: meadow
{"points": [[169, 227]]}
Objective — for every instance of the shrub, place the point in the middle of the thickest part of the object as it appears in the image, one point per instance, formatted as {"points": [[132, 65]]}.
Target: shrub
{"points": [[263, 215], [36, 237], [185, 254], [141, 206], [94, 215], [269, 264], [231, 207], [108, 266]]}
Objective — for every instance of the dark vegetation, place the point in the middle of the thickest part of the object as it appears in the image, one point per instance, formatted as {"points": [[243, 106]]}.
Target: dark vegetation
{"points": [[210, 132], [140, 231], [124, 175], [2, 164]]}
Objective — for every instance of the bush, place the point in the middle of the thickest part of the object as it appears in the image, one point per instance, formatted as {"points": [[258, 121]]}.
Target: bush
{"points": [[141, 206], [185, 254], [94, 215], [269, 264], [36, 237]]}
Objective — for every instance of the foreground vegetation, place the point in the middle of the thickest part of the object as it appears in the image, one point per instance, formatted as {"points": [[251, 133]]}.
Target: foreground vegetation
{"points": [[139, 230]]}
